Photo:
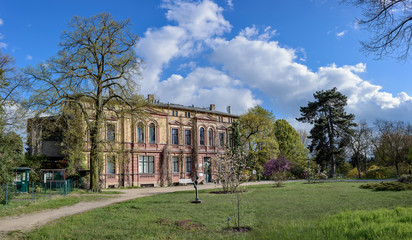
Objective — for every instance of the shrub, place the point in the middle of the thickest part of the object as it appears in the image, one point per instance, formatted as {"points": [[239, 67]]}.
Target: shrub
{"points": [[377, 172], [354, 173], [277, 169], [387, 186], [297, 171], [406, 178], [321, 175], [344, 169]]}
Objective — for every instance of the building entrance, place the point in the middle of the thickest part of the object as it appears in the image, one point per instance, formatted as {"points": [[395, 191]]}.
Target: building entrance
{"points": [[206, 169]]}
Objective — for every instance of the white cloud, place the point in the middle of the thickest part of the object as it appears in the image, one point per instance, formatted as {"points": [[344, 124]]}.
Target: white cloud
{"points": [[29, 57], [253, 33], [230, 3], [190, 65], [273, 69], [200, 19], [197, 22], [248, 62], [356, 24], [206, 86], [341, 34], [1, 22], [3, 45]]}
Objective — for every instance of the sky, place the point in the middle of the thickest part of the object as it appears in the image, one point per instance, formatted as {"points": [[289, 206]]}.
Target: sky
{"points": [[237, 53]]}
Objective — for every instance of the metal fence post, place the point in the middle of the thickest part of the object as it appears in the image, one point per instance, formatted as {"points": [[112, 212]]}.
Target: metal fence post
{"points": [[50, 189], [32, 191]]}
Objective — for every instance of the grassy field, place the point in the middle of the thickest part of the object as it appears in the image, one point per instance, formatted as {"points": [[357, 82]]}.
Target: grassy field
{"points": [[332, 210], [23, 204]]}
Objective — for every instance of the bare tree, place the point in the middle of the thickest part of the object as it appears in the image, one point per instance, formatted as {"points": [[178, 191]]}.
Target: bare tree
{"points": [[390, 22], [392, 142], [228, 169], [304, 137], [95, 70], [12, 86], [360, 145]]}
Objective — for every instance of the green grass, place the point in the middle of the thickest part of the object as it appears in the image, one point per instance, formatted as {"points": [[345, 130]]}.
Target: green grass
{"points": [[43, 203], [378, 224], [297, 211]]}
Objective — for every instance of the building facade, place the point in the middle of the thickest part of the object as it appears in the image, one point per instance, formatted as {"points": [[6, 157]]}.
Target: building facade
{"points": [[172, 145]]}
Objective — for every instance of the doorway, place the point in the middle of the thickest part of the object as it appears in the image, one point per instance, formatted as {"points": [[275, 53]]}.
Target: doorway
{"points": [[207, 169]]}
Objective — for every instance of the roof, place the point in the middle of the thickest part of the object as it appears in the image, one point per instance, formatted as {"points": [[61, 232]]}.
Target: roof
{"points": [[192, 108], [22, 168]]}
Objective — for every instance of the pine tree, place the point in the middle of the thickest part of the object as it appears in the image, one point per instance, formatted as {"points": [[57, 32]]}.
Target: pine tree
{"points": [[332, 127]]}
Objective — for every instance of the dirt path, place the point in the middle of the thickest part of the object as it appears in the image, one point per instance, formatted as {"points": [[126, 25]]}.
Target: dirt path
{"points": [[27, 222]]}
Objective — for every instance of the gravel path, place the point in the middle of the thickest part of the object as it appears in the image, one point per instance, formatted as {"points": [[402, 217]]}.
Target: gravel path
{"points": [[26, 222]]}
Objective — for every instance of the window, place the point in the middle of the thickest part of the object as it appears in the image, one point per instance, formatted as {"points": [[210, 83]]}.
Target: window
{"points": [[175, 164], [140, 133], [221, 139], [111, 135], [175, 113], [110, 166], [187, 137], [152, 133], [175, 136], [188, 164], [202, 136], [187, 114], [220, 119], [210, 137], [146, 164], [230, 136]]}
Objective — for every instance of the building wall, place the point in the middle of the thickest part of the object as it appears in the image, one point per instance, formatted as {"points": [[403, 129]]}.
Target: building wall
{"points": [[126, 149]]}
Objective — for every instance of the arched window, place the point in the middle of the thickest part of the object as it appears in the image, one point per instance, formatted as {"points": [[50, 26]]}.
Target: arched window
{"points": [[202, 136], [210, 137], [152, 133], [140, 132]]}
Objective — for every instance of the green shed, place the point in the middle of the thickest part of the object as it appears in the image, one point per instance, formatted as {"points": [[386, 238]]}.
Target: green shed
{"points": [[22, 179]]}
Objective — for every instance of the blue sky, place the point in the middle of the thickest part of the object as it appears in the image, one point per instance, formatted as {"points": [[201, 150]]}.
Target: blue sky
{"points": [[238, 53]]}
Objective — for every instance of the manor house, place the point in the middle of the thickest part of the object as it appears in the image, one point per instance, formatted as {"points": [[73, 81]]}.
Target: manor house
{"points": [[173, 145]]}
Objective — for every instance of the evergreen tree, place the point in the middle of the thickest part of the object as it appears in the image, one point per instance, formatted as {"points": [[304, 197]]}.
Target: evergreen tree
{"points": [[332, 127]]}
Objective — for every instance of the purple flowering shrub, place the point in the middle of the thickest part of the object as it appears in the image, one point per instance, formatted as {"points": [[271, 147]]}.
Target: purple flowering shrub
{"points": [[277, 169]]}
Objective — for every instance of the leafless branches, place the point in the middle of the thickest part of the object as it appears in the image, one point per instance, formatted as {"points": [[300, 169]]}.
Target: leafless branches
{"points": [[390, 22]]}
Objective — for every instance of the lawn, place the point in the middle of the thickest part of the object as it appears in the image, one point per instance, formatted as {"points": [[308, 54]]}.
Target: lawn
{"points": [[23, 204], [332, 210]]}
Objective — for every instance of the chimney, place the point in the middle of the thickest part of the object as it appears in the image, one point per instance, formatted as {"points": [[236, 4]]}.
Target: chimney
{"points": [[229, 109], [212, 107], [150, 98]]}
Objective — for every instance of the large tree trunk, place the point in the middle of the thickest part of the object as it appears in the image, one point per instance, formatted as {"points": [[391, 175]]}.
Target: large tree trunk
{"points": [[95, 148], [331, 144], [94, 158], [358, 166]]}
